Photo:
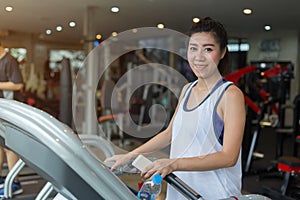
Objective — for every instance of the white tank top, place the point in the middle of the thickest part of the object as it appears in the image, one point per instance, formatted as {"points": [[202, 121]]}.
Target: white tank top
{"points": [[194, 133]]}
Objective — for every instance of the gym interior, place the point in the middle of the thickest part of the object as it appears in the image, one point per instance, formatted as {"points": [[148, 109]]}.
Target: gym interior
{"points": [[104, 77]]}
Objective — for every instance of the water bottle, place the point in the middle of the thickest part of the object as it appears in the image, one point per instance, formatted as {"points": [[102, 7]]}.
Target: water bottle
{"points": [[151, 188]]}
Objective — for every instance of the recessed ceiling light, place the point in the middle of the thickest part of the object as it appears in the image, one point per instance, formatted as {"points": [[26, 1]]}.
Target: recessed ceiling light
{"points": [[115, 9], [161, 26], [48, 31], [267, 27], [9, 8], [247, 11], [134, 30], [114, 33], [196, 20], [98, 36], [59, 28], [72, 24]]}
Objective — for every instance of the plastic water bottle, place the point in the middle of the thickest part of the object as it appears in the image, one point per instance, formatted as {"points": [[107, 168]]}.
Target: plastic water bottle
{"points": [[151, 188]]}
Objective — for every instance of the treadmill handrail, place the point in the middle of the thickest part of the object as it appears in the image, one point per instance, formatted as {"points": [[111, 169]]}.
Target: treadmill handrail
{"points": [[61, 139]]}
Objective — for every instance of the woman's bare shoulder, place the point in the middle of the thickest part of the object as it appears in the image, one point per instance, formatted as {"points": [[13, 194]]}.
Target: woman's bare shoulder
{"points": [[234, 90]]}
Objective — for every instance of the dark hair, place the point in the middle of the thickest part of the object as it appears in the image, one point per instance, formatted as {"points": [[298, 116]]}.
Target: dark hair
{"points": [[212, 26]]}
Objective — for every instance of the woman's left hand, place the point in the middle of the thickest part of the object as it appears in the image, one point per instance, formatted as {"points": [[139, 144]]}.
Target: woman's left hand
{"points": [[160, 166]]}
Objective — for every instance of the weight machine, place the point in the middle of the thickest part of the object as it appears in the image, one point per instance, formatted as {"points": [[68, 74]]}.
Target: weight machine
{"points": [[269, 111]]}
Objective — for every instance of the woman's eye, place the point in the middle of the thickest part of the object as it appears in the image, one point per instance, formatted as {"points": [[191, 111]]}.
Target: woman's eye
{"points": [[193, 49], [208, 49]]}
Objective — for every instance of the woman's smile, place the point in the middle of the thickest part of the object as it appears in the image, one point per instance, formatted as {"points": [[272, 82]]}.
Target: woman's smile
{"points": [[200, 67]]}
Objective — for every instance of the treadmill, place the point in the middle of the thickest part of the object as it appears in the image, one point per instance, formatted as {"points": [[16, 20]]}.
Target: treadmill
{"points": [[53, 150], [58, 155]]}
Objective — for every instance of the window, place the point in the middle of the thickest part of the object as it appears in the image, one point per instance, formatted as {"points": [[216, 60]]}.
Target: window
{"points": [[236, 45]]}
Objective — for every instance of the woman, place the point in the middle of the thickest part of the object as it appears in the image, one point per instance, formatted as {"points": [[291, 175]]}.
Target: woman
{"points": [[207, 128]]}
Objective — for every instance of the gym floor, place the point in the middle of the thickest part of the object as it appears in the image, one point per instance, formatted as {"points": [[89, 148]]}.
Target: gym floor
{"points": [[254, 183]]}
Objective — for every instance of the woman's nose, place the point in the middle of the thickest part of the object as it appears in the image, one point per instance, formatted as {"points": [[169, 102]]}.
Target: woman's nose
{"points": [[200, 55]]}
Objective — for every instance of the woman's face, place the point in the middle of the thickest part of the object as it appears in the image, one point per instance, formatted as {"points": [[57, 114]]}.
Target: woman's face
{"points": [[204, 54]]}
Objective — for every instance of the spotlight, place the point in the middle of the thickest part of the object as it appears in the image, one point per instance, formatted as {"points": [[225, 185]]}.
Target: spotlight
{"points": [[115, 9]]}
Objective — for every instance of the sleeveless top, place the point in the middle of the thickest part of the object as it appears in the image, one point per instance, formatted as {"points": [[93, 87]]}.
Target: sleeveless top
{"points": [[198, 132]]}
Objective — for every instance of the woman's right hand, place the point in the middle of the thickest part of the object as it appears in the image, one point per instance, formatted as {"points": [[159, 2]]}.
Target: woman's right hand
{"points": [[120, 160]]}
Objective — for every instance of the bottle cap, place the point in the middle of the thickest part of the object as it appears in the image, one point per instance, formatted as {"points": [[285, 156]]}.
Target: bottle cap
{"points": [[157, 179]]}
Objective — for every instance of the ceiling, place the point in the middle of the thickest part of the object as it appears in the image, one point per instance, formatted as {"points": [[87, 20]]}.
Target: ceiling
{"points": [[35, 16]]}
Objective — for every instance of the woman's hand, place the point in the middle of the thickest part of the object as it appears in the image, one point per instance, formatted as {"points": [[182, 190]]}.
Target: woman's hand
{"points": [[160, 166], [120, 160]]}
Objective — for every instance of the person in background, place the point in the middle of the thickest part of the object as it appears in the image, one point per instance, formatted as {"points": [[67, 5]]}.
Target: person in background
{"points": [[11, 82], [206, 131]]}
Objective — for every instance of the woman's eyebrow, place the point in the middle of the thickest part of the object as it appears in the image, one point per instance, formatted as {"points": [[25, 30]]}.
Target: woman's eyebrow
{"points": [[209, 45], [196, 44]]}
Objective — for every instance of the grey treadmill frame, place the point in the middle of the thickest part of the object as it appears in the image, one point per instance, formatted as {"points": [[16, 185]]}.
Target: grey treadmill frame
{"points": [[57, 154]]}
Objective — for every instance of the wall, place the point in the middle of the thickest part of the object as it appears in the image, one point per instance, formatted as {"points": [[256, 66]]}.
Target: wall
{"points": [[288, 51]]}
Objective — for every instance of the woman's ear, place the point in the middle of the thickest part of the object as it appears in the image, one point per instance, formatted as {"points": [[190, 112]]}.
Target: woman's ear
{"points": [[224, 52]]}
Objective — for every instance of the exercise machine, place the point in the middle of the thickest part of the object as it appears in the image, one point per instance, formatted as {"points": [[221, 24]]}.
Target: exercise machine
{"points": [[269, 111], [57, 154], [289, 165]]}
